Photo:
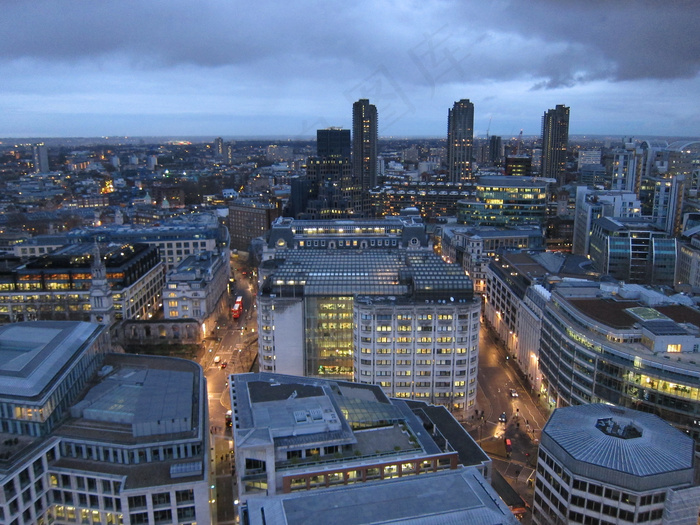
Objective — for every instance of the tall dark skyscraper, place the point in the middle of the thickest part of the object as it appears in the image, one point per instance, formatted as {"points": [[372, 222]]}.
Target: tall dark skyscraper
{"points": [[460, 140], [495, 150], [364, 150], [555, 140], [333, 143]]}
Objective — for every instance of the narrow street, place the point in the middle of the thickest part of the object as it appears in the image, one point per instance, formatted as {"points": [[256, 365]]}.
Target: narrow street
{"points": [[232, 350], [502, 390]]}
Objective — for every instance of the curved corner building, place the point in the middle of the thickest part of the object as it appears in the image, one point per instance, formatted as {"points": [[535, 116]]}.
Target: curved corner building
{"points": [[628, 348]]}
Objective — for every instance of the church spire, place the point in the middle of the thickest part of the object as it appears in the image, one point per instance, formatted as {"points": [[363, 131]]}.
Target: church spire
{"points": [[101, 299]]}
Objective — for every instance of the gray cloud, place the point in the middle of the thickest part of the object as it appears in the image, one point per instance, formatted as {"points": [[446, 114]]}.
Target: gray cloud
{"points": [[295, 58], [557, 42]]}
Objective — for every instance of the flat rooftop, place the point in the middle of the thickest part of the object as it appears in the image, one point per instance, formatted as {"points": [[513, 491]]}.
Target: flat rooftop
{"points": [[455, 496], [607, 311], [372, 272], [138, 399], [290, 411], [34, 354]]}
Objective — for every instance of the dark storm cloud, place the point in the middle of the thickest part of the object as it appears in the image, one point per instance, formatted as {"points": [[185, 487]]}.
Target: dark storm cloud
{"points": [[555, 42], [303, 62], [639, 39]]}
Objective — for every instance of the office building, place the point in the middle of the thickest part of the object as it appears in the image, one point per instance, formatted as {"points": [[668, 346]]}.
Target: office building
{"points": [[197, 289], [57, 286], [688, 264], [364, 151], [454, 496], [333, 191], [218, 147], [294, 435], [632, 250], [249, 219], [368, 300], [433, 199], [589, 157], [516, 291], [460, 141], [555, 141], [473, 248], [606, 464], [506, 201], [625, 170], [175, 238], [518, 166], [94, 437], [40, 158], [333, 143], [593, 204], [662, 201], [495, 150], [406, 231], [626, 345]]}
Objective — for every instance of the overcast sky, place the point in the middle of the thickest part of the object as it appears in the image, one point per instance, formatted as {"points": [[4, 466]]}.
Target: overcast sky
{"points": [[287, 68]]}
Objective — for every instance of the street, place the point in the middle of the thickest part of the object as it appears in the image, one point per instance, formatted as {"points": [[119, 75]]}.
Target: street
{"points": [[524, 417], [235, 346]]}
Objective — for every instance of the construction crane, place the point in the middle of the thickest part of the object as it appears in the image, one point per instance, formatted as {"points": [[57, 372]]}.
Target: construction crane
{"points": [[519, 142]]}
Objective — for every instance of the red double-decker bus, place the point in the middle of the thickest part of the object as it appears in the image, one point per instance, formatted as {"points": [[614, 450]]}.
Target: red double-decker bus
{"points": [[237, 308]]}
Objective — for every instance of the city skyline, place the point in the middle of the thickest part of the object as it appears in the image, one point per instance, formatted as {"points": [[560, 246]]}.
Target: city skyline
{"points": [[223, 70]]}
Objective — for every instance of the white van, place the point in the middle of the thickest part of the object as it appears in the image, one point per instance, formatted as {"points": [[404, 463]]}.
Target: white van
{"points": [[217, 359]]}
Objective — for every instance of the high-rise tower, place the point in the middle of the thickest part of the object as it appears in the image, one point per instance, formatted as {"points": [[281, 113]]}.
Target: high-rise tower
{"points": [[555, 140], [364, 150], [219, 147], [40, 158], [460, 140]]}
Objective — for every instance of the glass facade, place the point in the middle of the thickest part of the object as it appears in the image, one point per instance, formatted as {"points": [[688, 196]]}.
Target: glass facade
{"points": [[329, 337], [580, 367]]}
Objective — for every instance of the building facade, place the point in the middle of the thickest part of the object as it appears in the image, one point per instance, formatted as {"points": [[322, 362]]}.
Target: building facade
{"points": [[319, 277], [474, 247], [249, 219], [506, 201], [295, 434], [197, 289], [175, 239], [364, 150], [460, 141], [633, 250], [333, 143], [57, 285], [627, 346], [97, 460], [593, 204], [611, 465], [555, 141], [433, 199]]}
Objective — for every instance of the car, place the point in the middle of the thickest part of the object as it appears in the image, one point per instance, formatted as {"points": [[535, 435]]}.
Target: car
{"points": [[503, 418], [513, 392], [224, 364], [217, 359]]}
